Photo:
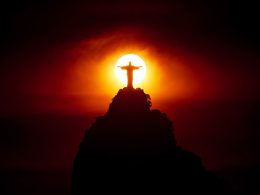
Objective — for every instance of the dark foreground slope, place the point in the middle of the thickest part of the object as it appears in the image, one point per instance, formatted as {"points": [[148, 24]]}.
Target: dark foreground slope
{"points": [[132, 149]]}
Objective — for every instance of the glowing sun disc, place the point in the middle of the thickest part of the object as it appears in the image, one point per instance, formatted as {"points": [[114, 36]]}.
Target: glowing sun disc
{"points": [[139, 74]]}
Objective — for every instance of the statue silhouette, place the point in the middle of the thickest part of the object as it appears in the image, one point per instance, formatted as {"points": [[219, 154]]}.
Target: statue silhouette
{"points": [[130, 68]]}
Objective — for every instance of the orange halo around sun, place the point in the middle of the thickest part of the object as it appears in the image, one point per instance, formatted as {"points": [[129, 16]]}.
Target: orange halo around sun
{"points": [[139, 74]]}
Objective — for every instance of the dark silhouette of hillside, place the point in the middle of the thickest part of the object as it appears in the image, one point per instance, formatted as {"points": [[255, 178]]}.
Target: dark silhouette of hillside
{"points": [[132, 149]]}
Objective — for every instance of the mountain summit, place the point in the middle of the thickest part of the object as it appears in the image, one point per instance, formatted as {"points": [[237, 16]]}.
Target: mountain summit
{"points": [[132, 149]]}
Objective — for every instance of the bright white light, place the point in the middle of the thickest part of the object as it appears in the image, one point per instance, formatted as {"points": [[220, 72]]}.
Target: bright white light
{"points": [[139, 74]]}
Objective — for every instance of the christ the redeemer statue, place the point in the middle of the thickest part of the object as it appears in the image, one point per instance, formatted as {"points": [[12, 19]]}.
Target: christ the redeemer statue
{"points": [[130, 69]]}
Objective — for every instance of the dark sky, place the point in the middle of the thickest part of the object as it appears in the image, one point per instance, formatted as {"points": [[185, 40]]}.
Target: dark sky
{"points": [[44, 106]]}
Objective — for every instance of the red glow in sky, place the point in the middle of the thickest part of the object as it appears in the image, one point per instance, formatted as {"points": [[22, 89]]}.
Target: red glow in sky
{"points": [[204, 83]]}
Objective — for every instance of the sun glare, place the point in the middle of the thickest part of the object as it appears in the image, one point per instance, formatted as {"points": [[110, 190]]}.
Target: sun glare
{"points": [[138, 74]]}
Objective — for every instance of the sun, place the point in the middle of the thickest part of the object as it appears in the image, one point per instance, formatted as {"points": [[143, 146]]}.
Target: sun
{"points": [[139, 74]]}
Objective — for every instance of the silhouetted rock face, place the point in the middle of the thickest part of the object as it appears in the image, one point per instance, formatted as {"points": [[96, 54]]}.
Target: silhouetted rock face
{"points": [[130, 102], [132, 149]]}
